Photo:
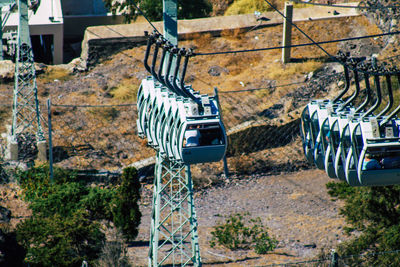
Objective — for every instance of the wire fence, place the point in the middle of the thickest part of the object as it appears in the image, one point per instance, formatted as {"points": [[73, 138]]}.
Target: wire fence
{"points": [[390, 258], [87, 136], [101, 137]]}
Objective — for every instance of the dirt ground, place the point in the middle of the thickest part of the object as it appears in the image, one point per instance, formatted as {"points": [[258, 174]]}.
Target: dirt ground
{"points": [[294, 206]]}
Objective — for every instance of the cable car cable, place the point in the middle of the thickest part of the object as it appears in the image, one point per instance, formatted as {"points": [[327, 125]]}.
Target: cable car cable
{"points": [[296, 45], [382, 7], [315, 43], [142, 13]]}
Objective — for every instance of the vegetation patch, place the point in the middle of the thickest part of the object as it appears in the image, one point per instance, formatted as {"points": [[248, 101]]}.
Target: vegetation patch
{"points": [[125, 91], [53, 74], [248, 6], [240, 232], [373, 214], [70, 218]]}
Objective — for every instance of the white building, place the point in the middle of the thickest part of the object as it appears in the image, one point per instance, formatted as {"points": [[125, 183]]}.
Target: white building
{"points": [[56, 22]]}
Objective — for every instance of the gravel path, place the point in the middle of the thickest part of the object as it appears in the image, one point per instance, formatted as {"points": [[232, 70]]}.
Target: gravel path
{"points": [[295, 207]]}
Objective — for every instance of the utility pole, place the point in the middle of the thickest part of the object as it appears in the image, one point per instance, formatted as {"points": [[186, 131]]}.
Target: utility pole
{"points": [[287, 32], [173, 232], [26, 114]]}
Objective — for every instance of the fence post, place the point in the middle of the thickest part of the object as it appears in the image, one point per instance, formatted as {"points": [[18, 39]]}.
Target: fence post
{"points": [[226, 170], [287, 32], [334, 259], [50, 140]]}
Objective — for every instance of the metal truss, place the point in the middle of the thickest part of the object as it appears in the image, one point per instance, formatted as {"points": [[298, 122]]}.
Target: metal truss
{"points": [[26, 114], [173, 233]]}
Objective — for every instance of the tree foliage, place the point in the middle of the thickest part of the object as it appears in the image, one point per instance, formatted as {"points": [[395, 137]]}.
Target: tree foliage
{"points": [[239, 232], [374, 213], [126, 213], [153, 9], [65, 225], [61, 241]]}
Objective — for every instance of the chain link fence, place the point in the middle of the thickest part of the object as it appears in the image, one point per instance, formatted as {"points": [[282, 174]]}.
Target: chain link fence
{"points": [[101, 137], [104, 137], [334, 260]]}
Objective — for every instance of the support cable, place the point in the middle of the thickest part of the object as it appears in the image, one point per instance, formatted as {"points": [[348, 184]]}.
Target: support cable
{"points": [[360, 6], [297, 45], [371, 71], [142, 13]]}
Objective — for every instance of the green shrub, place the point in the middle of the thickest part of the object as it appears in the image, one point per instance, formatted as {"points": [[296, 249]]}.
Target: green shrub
{"points": [[35, 182], [64, 228], [126, 212], [60, 241], [240, 233], [374, 213]]}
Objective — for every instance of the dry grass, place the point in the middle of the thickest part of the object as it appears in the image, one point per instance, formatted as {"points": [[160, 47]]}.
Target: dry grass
{"points": [[249, 6], [54, 73], [126, 91], [284, 71]]}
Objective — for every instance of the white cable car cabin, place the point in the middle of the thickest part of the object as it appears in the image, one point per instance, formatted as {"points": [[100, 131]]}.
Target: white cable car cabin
{"points": [[167, 126], [323, 113], [148, 108], [309, 127], [382, 148], [333, 137], [330, 138], [348, 139], [332, 161], [162, 126], [142, 98], [319, 116], [343, 146], [198, 137], [158, 106]]}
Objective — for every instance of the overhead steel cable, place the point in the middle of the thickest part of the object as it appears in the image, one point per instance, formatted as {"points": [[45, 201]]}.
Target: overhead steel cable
{"points": [[142, 13], [300, 30], [261, 88], [296, 45], [336, 59], [381, 7], [94, 106]]}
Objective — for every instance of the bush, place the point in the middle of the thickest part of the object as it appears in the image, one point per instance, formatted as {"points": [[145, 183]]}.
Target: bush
{"points": [[237, 233], [64, 228], [126, 212], [60, 241], [373, 212], [35, 182]]}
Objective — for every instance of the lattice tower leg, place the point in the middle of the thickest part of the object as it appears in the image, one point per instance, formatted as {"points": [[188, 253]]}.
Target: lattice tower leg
{"points": [[173, 233], [26, 114]]}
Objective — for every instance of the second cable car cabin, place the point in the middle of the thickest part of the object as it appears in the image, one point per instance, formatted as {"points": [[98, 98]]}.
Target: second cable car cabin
{"points": [[376, 154]]}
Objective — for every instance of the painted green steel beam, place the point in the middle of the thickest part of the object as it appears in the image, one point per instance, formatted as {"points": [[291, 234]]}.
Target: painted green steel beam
{"points": [[170, 15]]}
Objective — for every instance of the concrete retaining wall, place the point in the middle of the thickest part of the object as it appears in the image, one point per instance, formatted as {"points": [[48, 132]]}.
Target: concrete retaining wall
{"points": [[102, 41]]}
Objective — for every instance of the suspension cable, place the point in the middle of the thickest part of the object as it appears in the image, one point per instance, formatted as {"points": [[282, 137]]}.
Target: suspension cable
{"points": [[381, 7], [142, 13], [296, 45]]}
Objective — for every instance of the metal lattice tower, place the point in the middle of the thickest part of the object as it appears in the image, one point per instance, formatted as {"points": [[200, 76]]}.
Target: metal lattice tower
{"points": [[26, 114], [173, 234]]}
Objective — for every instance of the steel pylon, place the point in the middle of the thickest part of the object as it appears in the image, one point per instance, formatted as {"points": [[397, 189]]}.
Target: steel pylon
{"points": [[26, 113], [173, 233]]}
